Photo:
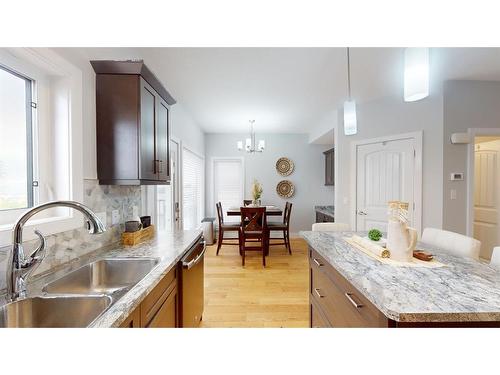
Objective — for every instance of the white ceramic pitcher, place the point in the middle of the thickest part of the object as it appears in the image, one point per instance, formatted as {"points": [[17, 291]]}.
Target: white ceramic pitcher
{"points": [[401, 240]]}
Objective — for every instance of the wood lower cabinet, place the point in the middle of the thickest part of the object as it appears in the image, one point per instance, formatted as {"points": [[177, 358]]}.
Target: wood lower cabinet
{"points": [[334, 302], [160, 308]]}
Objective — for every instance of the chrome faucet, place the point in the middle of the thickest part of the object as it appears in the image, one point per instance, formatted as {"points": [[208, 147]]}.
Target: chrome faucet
{"points": [[20, 267]]}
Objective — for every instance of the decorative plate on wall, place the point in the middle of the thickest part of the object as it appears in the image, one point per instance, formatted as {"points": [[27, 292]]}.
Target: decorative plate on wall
{"points": [[285, 189], [284, 166]]}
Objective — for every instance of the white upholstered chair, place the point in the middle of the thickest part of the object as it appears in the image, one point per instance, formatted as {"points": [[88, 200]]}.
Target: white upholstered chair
{"points": [[495, 257], [330, 227], [451, 242]]}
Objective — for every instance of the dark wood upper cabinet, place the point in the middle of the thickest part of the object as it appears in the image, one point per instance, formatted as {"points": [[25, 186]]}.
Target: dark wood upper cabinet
{"points": [[329, 168], [132, 128]]}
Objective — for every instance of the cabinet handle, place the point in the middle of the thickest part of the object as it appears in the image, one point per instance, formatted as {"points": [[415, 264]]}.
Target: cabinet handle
{"points": [[354, 303], [318, 293], [317, 262]]}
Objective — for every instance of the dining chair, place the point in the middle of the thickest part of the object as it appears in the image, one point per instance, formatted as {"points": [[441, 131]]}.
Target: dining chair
{"points": [[452, 243], [247, 202], [331, 227], [282, 227], [253, 231], [495, 257], [225, 227]]}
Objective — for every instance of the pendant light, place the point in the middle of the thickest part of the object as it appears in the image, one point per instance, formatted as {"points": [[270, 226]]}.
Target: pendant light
{"points": [[251, 145], [350, 120], [416, 74]]}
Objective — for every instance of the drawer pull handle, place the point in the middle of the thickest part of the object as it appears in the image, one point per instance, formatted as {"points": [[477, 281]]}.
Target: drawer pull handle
{"points": [[318, 293], [354, 303], [318, 263]]}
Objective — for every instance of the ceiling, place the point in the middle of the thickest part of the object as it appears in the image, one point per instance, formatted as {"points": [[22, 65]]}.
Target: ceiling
{"points": [[290, 89]]}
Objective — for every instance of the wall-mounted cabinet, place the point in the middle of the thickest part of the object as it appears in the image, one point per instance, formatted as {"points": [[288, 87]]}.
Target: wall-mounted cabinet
{"points": [[132, 128], [329, 167]]}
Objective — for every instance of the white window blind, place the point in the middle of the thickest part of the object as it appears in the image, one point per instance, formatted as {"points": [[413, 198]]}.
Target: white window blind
{"points": [[228, 183], [193, 174]]}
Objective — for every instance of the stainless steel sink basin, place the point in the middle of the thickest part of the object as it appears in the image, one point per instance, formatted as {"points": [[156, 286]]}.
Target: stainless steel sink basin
{"points": [[53, 312], [103, 276]]}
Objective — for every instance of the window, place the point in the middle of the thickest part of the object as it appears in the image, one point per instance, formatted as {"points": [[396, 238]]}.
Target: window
{"points": [[16, 145], [192, 189], [42, 144], [228, 182]]}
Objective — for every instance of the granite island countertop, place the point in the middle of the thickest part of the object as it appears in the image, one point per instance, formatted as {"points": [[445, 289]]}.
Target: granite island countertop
{"points": [[326, 210], [169, 247], [464, 290]]}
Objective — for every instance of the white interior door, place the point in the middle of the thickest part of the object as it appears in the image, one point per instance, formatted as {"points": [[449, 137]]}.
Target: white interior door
{"points": [[385, 172], [486, 185]]}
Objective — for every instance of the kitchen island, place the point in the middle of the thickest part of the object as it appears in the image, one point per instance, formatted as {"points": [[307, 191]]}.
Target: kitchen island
{"points": [[350, 289]]}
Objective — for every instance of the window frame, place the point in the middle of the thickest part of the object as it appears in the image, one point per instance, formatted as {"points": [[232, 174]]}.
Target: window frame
{"points": [[53, 75], [184, 148], [30, 87]]}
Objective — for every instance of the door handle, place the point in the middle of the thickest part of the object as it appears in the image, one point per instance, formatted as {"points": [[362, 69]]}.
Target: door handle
{"points": [[317, 262], [354, 303], [195, 261], [318, 293], [362, 213]]}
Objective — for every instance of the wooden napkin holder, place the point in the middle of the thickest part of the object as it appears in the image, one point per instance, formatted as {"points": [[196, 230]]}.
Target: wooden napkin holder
{"points": [[133, 238]]}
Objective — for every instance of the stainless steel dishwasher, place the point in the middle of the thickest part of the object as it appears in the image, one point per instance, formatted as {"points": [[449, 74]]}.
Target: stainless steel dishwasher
{"points": [[192, 279]]}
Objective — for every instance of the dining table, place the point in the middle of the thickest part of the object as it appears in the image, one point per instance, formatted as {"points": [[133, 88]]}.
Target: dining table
{"points": [[270, 211]]}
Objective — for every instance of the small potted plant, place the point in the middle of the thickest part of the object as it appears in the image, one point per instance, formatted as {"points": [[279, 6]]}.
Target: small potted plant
{"points": [[256, 192]]}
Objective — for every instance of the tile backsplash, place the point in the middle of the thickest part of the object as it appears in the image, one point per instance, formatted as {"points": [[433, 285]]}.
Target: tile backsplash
{"points": [[65, 246]]}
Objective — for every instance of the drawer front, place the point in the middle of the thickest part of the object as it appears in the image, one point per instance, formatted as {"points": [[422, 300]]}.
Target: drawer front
{"points": [[343, 305], [154, 300], [317, 318]]}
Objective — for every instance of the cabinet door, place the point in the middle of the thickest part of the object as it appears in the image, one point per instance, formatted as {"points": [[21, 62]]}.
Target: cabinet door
{"points": [[162, 140], [147, 132], [317, 320], [167, 315], [133, 320]]}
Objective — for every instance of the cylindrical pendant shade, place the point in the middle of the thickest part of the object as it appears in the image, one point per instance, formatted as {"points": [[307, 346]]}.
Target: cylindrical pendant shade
{"points": [[416, 74], [350, 121]]}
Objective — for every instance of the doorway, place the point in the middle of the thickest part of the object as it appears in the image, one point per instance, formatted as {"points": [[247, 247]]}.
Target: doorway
{"points": [[387, 169], [486, 223]]}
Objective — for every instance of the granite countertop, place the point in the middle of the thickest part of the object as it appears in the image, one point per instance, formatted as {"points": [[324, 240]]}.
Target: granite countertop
{"points": [[169, 247], [325, 210], [464, 290]]}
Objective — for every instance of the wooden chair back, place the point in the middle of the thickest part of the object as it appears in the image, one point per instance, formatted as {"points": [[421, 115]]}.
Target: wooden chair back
{"points": [[220, 213], [247, 202], [287, 214], [253, 219]]}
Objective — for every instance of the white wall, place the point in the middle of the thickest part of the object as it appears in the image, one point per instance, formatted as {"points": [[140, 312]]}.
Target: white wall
{"points": [[308, 177], [390, 116], [184, 128], [467, 104]]}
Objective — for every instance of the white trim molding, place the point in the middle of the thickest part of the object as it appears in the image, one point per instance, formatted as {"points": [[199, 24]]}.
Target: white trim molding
{"points": [[64, 157], [417, 181], [473, 133]]}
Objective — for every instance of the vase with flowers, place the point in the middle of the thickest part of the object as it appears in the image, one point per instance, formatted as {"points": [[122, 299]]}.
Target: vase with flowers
{"points": [[256, 192]]}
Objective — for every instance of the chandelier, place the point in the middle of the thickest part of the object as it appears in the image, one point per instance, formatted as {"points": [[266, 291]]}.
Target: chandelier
{"points": [[251, 144]]}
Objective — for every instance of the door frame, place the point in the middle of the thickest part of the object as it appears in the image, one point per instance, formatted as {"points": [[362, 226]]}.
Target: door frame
{"points": [[417, 181], [473, 133], [178, 183]]}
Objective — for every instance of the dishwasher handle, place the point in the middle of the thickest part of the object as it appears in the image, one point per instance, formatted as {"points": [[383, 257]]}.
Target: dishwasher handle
{"points": [[196, 260]]}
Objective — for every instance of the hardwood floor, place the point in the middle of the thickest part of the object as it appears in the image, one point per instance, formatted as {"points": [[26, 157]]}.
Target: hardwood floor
{"points": [[253, 296]]}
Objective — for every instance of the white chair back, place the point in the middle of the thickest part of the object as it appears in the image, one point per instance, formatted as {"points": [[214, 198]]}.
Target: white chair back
{"points": [[495, 257], [330, 227], [451, 242]]}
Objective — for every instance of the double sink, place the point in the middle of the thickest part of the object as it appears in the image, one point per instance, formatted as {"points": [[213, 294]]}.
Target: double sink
{"points": [[79, 297]]}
